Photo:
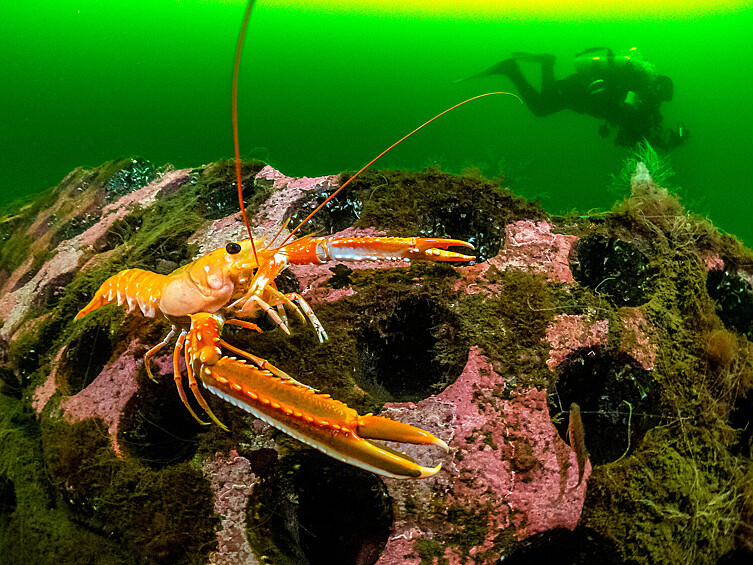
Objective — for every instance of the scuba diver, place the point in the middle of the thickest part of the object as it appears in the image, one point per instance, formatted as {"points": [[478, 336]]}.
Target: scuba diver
{"points": [[623, 90]]}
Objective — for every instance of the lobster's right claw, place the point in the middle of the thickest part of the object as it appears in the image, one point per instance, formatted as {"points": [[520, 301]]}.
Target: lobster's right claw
{"points": [[298, 410], [318, 420]]}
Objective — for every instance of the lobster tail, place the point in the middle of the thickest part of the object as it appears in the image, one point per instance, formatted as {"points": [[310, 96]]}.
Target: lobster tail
{"points": [[135, 287]]}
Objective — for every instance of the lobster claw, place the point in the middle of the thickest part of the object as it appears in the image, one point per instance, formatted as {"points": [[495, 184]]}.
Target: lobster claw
{"points": [[386, 461], [300, 411], [434, 249], [318, 250], [318, 420]]}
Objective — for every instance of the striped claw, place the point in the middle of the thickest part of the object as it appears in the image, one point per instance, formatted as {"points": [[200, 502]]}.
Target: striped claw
{"points": [[318, 250], [298, 410], [426, 249], [377, 427]]}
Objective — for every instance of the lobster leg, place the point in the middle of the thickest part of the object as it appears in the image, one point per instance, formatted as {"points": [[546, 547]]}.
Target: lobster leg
{"points": [[194, 386], [260, 362], [306, 309], [240, 305], [298, 410], [179, 378], [148, 355]]}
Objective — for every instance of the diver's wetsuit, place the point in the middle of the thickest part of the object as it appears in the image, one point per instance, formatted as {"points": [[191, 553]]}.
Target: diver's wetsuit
{"points": [[599, 94]]}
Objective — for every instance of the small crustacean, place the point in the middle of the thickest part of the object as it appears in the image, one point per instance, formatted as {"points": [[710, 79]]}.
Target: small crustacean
{"points": [[235, 284], [576, 437]]}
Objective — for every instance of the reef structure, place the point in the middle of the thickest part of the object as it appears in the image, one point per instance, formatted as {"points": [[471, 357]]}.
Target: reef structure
{"points": [[642, 316]]}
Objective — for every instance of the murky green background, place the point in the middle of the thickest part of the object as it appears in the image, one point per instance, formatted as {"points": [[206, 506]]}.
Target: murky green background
{"points": [[87, 81]]}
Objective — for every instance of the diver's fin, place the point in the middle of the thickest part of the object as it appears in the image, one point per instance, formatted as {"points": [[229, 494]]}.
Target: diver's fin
{"points": [[502, 68], [525, 57]]}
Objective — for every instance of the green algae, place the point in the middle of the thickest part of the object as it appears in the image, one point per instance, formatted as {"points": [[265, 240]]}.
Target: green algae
{"points": [[676, 499], [674, 505], [158, 517], [38, 528]]}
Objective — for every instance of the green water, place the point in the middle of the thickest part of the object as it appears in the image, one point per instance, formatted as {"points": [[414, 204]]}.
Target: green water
{"points": [[87, 81]]}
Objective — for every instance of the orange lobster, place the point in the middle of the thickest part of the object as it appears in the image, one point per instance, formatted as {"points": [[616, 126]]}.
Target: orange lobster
{"points": [[236, 283]]}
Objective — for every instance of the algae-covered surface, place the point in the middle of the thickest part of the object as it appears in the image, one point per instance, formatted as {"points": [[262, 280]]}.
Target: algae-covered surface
{"points": [[641, 315]]}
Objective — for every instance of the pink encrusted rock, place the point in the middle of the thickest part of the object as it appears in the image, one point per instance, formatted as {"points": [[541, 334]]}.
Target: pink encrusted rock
{"points": [[143, 198], [15, 305], [544, 491], [111, 390], [472, 280], [289, 191], [43, 394], [67, 255], [506, 461], [713, 261], [13, 280], [218, 233], [232, 482], [569, 332], [532, 245], [636, 337]]}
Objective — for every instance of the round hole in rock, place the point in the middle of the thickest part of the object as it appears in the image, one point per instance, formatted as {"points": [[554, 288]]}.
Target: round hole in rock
{"points": [[399, 348], [741, 556], [338, 214], [316, 510], [734, 299], [582, 546], [85, 357], [155, 427], [615, 268], [7, 495], [219, 190], [602, 384], [457, 220]]}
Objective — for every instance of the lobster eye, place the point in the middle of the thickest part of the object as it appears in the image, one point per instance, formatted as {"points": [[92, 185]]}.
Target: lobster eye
{"points": [[233, 248]]}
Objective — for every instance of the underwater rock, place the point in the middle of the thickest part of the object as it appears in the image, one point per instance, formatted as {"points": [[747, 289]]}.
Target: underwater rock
{"points": [[569, 332], [69, 253], [503, 342], [288, 191], [43, 393], [15, 304], [507, 467], [638, 338], [111, 390], [532, 245]]}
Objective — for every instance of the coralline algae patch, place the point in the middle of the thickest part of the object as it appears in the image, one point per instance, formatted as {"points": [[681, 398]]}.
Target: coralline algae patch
{"points": [[613, 314], [507, 468]]}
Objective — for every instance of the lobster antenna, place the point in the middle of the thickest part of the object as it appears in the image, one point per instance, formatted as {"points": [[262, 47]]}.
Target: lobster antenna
{"points": [[398, 142], [234, 104]]}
